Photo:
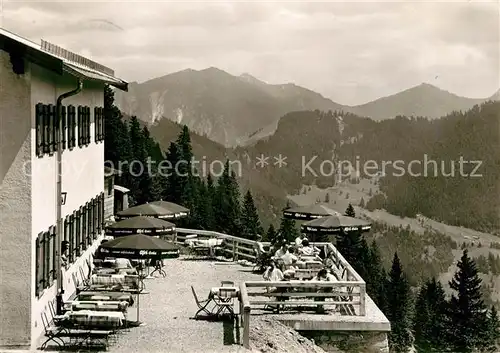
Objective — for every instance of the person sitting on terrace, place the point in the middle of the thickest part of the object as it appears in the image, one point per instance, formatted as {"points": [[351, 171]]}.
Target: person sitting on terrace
{"points": [[308, 250], [323, 275], [288, 258], [281, 251], [299, 240], [273, 273], [331, 262]]}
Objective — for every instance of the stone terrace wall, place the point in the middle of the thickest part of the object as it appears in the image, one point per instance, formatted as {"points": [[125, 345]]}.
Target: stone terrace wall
{"points": [[350, 341]]}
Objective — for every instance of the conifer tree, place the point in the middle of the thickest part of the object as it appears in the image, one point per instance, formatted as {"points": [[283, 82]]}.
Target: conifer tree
{"points": [[227, 207], [493, 335], [376, 278], [209, 196], [141, 182], [362, 203], [467, 311], [429, 323], [250, 222], [270, 235], [349, 212], [350, 245], [327, 198], [398, 308], [173, 190]]}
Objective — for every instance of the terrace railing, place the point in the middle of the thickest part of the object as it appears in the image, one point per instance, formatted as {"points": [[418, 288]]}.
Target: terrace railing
{"points": [[349, 293]]}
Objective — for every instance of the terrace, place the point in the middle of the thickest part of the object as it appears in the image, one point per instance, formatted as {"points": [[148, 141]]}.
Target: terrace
{"points": [[168, 309]]}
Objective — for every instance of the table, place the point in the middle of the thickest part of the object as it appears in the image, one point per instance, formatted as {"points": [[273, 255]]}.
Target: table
{"points": [[90, 318], [100, 305]]}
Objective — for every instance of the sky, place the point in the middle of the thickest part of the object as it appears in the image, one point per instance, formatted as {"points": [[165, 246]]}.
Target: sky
{"points": [[350, 52]]}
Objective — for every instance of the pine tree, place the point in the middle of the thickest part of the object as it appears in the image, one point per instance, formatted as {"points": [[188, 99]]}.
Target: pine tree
{"points": [[362, 203], [327, 198], [349, 245], [209, 196], [173, 190], [349, 212], [398, 308], [270, 235], [467, 311], [376, 278], [493, 331], [287, 231], [227, 207], [429, 323], [142, 182], [250, 222]]}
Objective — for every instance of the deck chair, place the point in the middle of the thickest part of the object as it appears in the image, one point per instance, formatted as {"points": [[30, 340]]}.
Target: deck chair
{"points": [[52, 309], [85, 280], [159, 269], [202, 305]]}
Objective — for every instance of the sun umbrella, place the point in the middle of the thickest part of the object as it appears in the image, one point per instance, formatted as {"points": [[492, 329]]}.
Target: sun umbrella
{"points": [[149, 210], [335, 224], [309, 212], [138, 246], [178, 210], [140, 225]]}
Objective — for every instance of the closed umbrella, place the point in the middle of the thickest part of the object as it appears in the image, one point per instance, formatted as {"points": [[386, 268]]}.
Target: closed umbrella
{"points": [[140, 225], [308, 212]]}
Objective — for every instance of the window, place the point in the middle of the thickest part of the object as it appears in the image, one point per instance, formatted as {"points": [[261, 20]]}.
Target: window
{"points": [[99, 124], [83, 126], [71, 118]]}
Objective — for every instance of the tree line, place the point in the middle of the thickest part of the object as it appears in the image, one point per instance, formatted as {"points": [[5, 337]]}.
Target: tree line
{"points": [[430, 321]]}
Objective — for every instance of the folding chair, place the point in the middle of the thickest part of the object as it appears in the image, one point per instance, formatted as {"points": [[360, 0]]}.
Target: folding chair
{"points": [[202, 305], [159, 269], [55, 318], [53, 333]]}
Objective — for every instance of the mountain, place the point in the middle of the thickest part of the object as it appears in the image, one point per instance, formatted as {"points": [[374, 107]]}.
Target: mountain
{"points": [[213, 103], [423, 100]]}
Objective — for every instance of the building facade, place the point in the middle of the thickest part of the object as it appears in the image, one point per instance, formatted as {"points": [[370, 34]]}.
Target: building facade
{"points": [[31, 80]]}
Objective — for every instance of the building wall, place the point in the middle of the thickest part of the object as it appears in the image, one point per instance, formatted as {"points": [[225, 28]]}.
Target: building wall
{"points": [[15, 206], [82, 176]]}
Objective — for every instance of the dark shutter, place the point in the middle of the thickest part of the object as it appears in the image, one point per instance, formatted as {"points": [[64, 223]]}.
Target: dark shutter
{"points": [[46, 131], [63, 127], [39, 129], [96, 125], [38, 266], [101, 114], [72, 242], [88, 125], [46, 259], [71, 127], [55, 127], [53, 252], [80, 130]]}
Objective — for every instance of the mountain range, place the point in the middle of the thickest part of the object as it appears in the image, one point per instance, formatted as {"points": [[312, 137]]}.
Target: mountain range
{"points": [[241, 110]]}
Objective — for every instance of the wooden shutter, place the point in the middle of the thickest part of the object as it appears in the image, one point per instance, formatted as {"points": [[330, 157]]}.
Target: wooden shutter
{"points": [[39, 264], [46, 260], [80, 130], [88, 124], [63, 127], [46, 131], [72, 240], [101, 123], [53, 252], [39, 129], [84, 227], [54, 128], [71, 127]]}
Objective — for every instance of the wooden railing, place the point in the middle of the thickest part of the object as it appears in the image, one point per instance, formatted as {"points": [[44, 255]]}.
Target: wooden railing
{"points": [[349, 293]]}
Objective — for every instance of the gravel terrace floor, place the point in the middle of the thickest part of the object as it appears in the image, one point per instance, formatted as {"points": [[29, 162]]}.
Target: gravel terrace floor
{"points": [[168, 308]]}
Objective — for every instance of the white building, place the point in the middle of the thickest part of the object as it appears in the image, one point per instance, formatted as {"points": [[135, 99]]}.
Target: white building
{"points": [[32, 77]]}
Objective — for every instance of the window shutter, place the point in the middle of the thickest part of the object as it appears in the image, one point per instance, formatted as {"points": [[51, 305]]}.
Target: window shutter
{"points": [[46, 259], [63, 127], [88, 126], [46, 134], [39, 129], [78, 233], [38, 266], [71, 127], [80, 130], [72, 242], [96, 124], [54, 127], [53, 252], [102, 123]]}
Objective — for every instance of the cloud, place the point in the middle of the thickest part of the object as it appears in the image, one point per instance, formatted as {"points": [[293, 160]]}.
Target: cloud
{"points": [[350, 52]]}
